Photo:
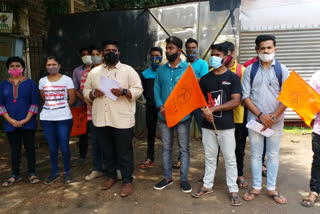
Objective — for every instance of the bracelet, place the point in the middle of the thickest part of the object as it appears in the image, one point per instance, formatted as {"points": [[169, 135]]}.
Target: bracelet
{"points": [[92, 93], [260, 114], [161, 110]]}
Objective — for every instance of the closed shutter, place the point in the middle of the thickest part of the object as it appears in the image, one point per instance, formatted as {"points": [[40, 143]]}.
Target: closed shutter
{"points": [[299, 50]]}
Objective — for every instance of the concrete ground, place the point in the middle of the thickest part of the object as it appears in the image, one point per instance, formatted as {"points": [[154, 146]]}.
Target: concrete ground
{"points": [[86, 197]]}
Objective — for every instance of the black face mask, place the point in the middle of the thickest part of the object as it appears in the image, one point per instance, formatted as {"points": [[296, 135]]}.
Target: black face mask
{"points": [[111, 58], [172, 57]]}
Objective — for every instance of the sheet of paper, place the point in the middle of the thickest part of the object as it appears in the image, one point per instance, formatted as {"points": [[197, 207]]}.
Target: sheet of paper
{"points": [[106, 84], [256, 126]]}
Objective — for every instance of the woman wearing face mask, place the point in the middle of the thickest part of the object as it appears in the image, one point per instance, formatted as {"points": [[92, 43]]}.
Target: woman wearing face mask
{"points": [[57, 91], [18, 105]]}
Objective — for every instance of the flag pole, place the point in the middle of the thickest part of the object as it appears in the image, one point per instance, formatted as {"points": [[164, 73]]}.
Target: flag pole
{"points": [[214, 125]]}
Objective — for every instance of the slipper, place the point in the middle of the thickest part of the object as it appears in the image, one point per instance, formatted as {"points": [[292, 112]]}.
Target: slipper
{"points": [[8, 182], [308, 202], [252, 195], [243, 184], [278, 195], [201, 192], [34, 179], [234, 199]]}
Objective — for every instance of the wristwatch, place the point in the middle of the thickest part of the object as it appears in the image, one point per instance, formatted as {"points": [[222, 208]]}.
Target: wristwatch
{"points": [[124, 92]]}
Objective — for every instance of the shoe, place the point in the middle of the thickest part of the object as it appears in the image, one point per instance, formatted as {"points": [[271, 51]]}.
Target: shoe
{"points": [[126, 189], [51, 179], [148, 163], [67, 178], [163, 184], [185, 186], [108, 183], [94, 174]]}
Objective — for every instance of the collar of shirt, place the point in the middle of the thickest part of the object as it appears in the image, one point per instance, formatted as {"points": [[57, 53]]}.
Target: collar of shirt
{"points": [[272, 64], [117, 66], [178, 66], [234, 67]]}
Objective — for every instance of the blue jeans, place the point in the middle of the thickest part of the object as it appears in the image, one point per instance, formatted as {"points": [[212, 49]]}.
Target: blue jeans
{"points": [[273, 148], [57, 134], [199, 118], [183, 131], [96, 150]]}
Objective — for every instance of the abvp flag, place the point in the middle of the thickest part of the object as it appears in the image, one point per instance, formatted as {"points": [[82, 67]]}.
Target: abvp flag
{"points": [[184, 98], [301, 97]]}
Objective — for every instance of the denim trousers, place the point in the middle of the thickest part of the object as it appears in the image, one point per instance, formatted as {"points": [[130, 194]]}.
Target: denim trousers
{"points": [[57, 134], [96, 150], [272, 150], [211, 142], [315, 169], [16, 139], [183, 132], [199, 118]]}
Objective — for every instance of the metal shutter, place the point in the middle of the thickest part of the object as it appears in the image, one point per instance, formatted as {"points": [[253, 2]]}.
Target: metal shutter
{"points": [[297, 49]]}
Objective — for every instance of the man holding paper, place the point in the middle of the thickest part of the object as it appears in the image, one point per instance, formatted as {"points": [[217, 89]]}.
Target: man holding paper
{"points": [[114, 117], [261, 85]]}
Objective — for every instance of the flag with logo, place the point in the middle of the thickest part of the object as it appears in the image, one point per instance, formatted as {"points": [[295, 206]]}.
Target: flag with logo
{"points": [[184, 98]]}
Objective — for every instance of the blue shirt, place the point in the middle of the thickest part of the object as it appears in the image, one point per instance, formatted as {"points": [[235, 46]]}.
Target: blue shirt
{"points": [[17, 101], [200, 68], [165, 81]]}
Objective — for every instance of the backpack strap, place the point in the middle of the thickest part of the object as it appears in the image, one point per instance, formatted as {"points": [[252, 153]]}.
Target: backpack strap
{"points": [[239, 70], [278, 71], [254, 70]]}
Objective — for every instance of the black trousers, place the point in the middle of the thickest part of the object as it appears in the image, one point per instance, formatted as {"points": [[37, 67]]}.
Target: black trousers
{"points": [[16, 139], [315, 169], [241, 137], [83, 145], [117, 149], [151, 119]]}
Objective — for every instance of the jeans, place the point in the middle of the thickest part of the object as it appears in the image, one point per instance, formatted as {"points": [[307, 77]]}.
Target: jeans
{"points": [[151, 119], [57, 134], [16, 138], [211, 142], [315, 169], [198, 116], [240, 137], [183, 132], [272, 149], [117, 149], [96, 150]]}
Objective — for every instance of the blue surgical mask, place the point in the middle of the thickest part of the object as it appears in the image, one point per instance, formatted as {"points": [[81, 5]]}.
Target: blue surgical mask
{"points": [[215, 62], [155, 62], [193, 56]]}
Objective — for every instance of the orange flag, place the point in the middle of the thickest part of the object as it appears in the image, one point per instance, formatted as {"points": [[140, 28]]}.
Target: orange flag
{"points": [[184, 98], [301, 97]]}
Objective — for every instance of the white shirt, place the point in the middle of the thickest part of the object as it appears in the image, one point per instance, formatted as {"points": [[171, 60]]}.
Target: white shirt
{"points": [[315, 84]]}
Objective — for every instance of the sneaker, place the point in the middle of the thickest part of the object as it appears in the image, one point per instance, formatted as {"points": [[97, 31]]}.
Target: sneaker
{"points": [[148, 163], [163, 184], [185, 186], [93, 175], [67, 178], [51, 179]]}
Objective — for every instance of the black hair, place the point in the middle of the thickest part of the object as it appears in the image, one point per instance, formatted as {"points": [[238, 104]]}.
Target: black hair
{"points": [[54, 58], [15, 59], [110, 42], [191, 40], [222, 47], [174, 40], [262, 38], [156, 49], [95, 48], [83, 49], [230, 46]]}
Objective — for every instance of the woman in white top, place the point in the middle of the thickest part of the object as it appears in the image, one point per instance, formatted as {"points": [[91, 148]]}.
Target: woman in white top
{"points": [[57, 92]]}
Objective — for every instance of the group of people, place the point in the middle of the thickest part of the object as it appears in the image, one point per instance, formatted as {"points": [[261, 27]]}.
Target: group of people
{"points": [[234, 94]]}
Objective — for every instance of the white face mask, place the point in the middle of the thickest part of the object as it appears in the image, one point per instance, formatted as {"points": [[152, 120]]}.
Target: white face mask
{"points": [[87, 60], [266, 57]]}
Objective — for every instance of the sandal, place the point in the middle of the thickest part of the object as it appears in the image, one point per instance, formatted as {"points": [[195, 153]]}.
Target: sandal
{"points": [[202, 192], [308, 202], [243, 184], [148, 163], [249, 196], [235, 200], [8, 182], [34, 179], [278, 195], [177, 165]]}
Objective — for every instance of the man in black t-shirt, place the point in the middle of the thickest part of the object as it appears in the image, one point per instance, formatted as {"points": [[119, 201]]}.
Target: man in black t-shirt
{"points": [[222, 90]]}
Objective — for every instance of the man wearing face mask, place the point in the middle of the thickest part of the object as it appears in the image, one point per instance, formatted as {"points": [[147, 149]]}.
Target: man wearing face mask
{"points": [[222, 90], [113, 120], [147, 78], [166, 78], [76, 78], [261, 84]]}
